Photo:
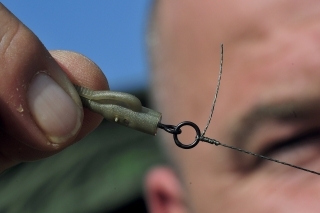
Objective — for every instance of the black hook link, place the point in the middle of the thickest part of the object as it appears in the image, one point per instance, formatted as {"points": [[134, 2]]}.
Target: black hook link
{"points": [[176, 130], [168, 128]]}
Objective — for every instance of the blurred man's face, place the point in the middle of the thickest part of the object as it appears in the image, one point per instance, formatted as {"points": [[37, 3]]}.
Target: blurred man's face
{"points": [[269, 100]]}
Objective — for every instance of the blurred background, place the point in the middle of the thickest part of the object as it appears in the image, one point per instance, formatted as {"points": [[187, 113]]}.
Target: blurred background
{"points": [[103, 172]]}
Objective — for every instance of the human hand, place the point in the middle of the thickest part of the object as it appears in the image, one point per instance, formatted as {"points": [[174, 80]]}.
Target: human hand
{"points": [[40, 111]]}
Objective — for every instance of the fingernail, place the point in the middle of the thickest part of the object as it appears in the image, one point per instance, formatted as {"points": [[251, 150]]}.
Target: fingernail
{"points": [[55, 112]]}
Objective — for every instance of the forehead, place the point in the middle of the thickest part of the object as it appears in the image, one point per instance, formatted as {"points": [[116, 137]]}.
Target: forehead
{"points": [[260, 38]]}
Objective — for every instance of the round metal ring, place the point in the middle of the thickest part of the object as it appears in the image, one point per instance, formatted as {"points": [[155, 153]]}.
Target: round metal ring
{"points": [[178, 128]]}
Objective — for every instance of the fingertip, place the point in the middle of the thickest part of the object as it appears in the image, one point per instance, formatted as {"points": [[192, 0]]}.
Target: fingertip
{"points": [[84, 72], [81, 70]]}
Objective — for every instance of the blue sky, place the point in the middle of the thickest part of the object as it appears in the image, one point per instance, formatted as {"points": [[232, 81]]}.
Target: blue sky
{"points": [[110, 32]]}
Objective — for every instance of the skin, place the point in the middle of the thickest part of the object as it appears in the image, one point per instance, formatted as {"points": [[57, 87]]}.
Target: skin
{"points": [[22, 58], [269, 96], [268, 103]]}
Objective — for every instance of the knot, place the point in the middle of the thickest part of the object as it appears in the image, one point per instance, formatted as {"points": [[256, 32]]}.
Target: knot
{"points": [[169, 128]]}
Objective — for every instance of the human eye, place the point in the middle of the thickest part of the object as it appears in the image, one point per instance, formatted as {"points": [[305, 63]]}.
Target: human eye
{"points": [[300, 149]]}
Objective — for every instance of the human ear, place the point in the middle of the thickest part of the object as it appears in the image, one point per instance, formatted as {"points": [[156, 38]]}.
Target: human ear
{"points": [[164, 192]]}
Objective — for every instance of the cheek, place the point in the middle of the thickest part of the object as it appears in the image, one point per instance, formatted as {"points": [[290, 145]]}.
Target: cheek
{"points": [[261, 192]]}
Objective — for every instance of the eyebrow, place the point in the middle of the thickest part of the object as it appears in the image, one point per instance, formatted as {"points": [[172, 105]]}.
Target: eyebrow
{"points": [[286, 112]]}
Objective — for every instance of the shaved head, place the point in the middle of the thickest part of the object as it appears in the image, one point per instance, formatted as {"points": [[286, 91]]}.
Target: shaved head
{"points": [[271, 79]]}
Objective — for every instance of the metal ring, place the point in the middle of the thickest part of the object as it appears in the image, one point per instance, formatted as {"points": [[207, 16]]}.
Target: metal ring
{"points": [[178, 128]]}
